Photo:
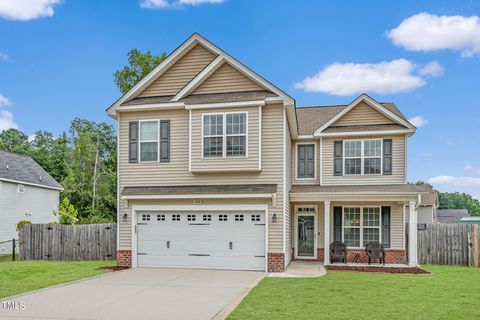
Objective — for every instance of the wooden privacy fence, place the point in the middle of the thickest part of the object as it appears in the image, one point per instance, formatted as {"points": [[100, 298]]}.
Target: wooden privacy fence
{"points": [[448, 244], [68, 242]]}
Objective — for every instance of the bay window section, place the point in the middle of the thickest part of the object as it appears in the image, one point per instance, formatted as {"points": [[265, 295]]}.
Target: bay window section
{"points": [[225, 135], [363, 157], [236, 134], [149, 141], [361, 225], [213, 135], [353, 157]]}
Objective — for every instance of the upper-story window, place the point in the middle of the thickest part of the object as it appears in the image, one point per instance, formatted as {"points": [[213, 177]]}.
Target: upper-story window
{"points": [[149, 140], [20, 188], [363, 157], [225, 134], [306, 161]]}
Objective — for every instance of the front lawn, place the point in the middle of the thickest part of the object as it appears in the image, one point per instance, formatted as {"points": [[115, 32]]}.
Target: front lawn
{"points": [[22, 276], [449, 293]]}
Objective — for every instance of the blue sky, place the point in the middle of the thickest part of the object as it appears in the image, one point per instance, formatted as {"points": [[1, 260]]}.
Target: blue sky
{"points": [[57, 59]]}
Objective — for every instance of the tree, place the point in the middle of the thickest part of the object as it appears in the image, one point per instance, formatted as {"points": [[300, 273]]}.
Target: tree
{"points": [[50, 153], [14, 140], [91, 171], [456, 200], [423, 183], [66, 213], [139, 65]]}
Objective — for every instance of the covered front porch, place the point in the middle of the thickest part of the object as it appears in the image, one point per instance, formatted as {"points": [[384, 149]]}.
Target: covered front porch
{"points": [[354, 216]]}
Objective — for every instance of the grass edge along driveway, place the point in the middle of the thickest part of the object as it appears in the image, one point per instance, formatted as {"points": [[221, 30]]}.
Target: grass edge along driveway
{"points": [[23, 276], [449, 293]]}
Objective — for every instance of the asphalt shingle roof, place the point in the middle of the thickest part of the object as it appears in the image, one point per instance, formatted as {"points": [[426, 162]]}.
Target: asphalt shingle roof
{"points": [[23, 169]]}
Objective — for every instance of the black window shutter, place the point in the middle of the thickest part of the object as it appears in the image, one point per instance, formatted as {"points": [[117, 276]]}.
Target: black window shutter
{"points": [[133, 141], [386, 226], [337, 224], [164, 140], [310, 160], [338, 158], [387, 156], [301, 161]]}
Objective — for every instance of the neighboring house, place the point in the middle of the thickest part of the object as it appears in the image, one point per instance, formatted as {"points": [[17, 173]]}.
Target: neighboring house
{"points": [[27, 192], [428, 208], [451, 215], [218, 168]]}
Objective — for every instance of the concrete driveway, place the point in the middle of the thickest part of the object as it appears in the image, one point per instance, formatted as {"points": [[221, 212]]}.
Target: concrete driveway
{"points": [[139, 294]]}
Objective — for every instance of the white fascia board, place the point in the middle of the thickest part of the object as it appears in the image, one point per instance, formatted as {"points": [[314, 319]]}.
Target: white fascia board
{"points": [[162, 67], [201, 196], [365, 133], [305, 136], [152, 106], [31, 184], [254, 103], [364, 97], [358, 193]]}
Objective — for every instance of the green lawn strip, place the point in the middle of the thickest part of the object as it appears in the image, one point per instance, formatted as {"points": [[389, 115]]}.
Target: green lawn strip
{"points": [[23, 276], [449, 293], [8, 258]]}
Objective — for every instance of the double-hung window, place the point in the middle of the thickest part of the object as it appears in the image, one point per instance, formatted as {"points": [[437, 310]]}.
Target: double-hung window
{"points": [[361, 225], [363, 157], [149, 140], [224, 135]]}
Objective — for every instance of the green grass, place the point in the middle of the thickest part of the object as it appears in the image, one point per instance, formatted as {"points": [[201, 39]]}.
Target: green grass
{"points": [[449, 293], [22, 276], [8, 257]]}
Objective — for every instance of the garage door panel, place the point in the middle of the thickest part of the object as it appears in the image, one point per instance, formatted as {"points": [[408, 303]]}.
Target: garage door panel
{"points": [[226, 241]]}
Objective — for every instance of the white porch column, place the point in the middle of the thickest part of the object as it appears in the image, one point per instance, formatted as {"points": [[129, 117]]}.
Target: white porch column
{"points": [[412, 235], [326, 242]]}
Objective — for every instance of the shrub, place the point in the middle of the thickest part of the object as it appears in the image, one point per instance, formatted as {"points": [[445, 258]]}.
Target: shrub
{"points": [[21, 223], [66, 213]]}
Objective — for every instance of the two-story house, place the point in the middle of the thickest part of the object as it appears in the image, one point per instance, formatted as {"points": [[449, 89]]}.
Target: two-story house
{"points": [[218, 168]]}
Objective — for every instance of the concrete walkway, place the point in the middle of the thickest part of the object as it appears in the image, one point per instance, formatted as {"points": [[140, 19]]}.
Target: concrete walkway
{"points": [[302, 269], [140, 294]]}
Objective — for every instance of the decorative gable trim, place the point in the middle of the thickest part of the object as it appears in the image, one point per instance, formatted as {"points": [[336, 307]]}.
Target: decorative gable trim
{"points": [[178, 53], [371, 102]]}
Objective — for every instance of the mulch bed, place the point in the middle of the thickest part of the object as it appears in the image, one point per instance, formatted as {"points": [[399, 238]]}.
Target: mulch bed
{"points": [[378, 269], [113, 268]]}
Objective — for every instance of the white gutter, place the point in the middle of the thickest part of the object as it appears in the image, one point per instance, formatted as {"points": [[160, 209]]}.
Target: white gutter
{"points": [[31, 184]]}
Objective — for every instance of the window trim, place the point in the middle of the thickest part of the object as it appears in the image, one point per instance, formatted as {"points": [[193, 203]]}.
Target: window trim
{"points": [[363, 157], [225, 135], [362, 245], [140, 141], [314, 160], [18, 188]]}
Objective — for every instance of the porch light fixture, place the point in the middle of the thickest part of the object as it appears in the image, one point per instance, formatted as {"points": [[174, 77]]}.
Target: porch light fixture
{"points": [[274, 217], [125, 217]]}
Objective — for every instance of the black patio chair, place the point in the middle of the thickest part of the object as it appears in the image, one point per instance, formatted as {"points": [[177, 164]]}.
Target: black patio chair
{"points": [[375, 251], [338, 251]]}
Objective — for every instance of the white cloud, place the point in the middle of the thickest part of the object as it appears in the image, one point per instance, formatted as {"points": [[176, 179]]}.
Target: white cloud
{"points": [[346, 79], [429, 32], [6, 121], [3, 56], [27, 9], [468, 167], [418, 121], [168, 4], [31, 137], [433, 69], [452, 181], [4, 101]]}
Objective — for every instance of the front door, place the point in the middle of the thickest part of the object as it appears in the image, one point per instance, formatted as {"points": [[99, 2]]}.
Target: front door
{"points": [[306, 236]]}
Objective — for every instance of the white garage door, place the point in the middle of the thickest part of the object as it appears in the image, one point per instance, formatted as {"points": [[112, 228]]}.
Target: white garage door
{"points": [[210, 240]]}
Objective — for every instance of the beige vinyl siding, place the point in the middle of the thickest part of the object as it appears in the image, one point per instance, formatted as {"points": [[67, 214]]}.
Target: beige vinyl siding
{"points": [[227, 79], [182, 72], [176, 171], [398, 164], [362, 114], [397, 225], [220, 164], [288, 183], [293, 163]]}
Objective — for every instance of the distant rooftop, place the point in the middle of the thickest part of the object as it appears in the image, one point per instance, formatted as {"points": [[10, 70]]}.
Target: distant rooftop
{"points": [[451, 215], [20, 168]]}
